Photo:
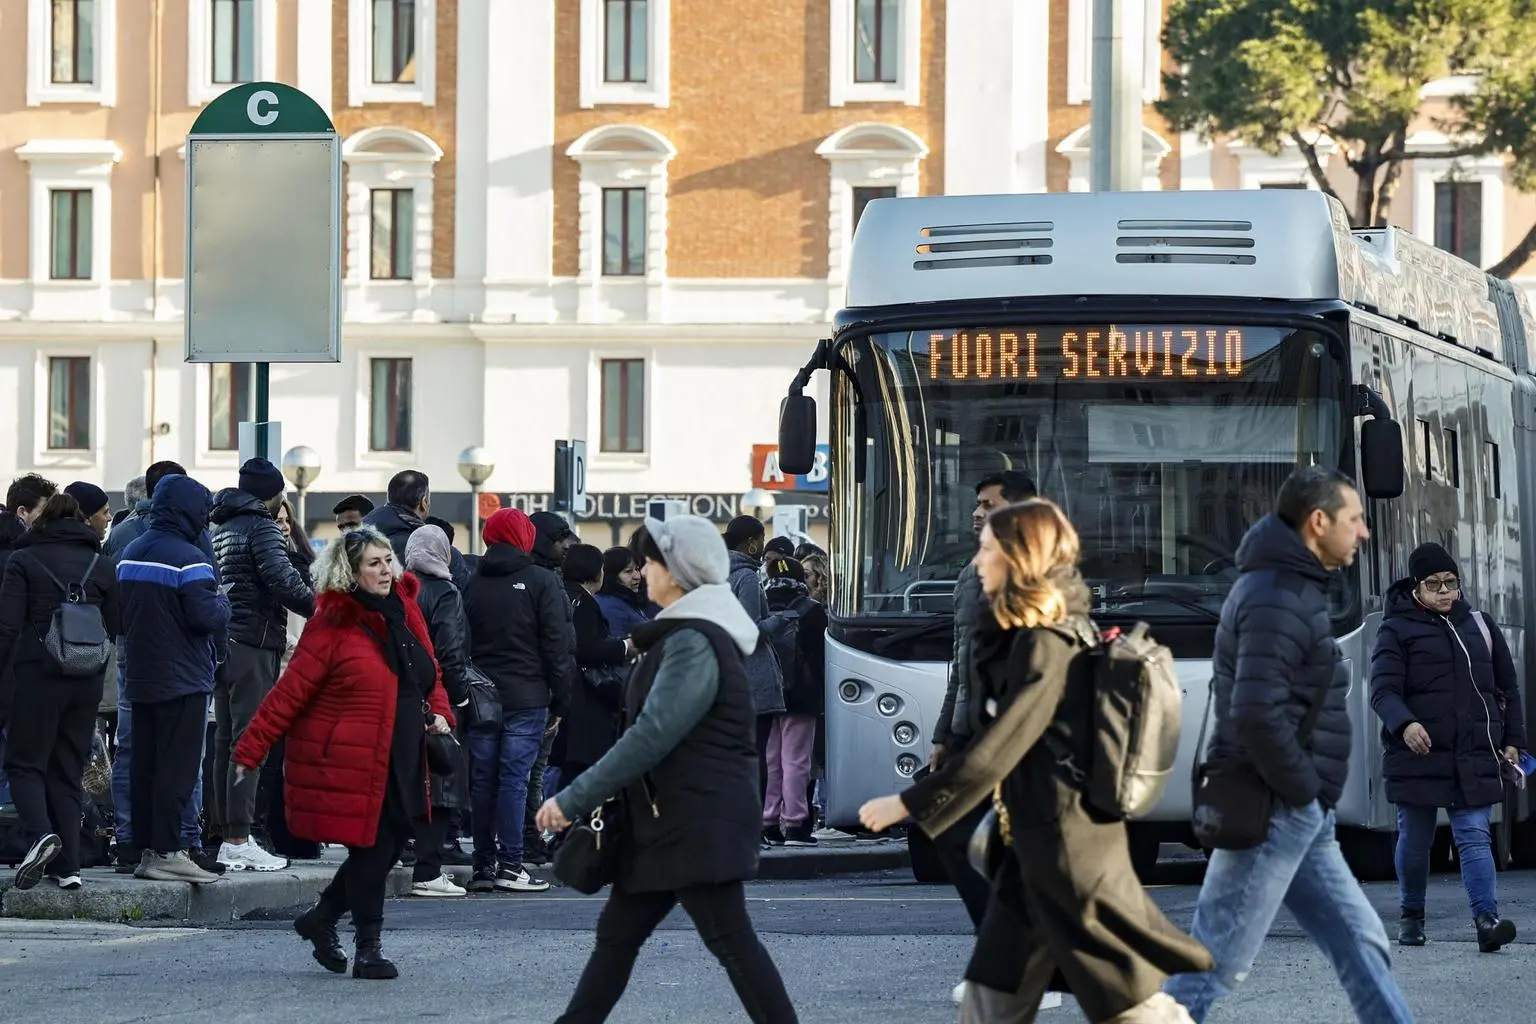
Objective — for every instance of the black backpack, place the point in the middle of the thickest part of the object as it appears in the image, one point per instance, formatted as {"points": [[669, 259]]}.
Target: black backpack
{"points": [[76, 643], [782, 629]]}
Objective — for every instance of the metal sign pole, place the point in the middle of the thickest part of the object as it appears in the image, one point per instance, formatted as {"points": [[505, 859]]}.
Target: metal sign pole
{"points": [[263, 412]]}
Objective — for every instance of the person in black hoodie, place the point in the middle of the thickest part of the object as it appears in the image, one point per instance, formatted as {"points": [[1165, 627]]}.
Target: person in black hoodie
{"points": [[54, 714], [554, 538], [597, 690], [519, 629], [24, 497]]}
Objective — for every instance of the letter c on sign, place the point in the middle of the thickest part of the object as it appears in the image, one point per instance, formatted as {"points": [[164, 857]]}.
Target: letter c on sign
{"points": [[254, 111]]}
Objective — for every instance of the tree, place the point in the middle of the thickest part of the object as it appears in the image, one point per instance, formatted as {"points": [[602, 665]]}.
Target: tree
{"points": [[1277, 71]]}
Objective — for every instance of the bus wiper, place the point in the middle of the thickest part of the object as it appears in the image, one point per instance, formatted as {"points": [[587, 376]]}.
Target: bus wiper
{"points": [[1173, 599], [945, 624]]}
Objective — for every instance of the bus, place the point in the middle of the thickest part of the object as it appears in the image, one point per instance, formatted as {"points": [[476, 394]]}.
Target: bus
{"points": [[1157, 362]]}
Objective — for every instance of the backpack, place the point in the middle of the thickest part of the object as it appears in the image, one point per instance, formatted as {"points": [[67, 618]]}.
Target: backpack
{"points": [[76, 642], [1137, 712], [782, 629]]}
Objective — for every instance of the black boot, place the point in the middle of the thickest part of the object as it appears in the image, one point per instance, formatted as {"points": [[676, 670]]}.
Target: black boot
{"points": [[369, 961], [1493, 933], [1410, 928], [318, 928]]}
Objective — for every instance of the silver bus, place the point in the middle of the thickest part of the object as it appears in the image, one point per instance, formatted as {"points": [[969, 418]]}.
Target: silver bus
{"points": [[1157, 362]]}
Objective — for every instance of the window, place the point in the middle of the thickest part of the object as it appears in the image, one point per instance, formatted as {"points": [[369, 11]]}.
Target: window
{"points": [[73, 42], [234, 41], [1452, 459], [623, 232], [391, 249], [623, 424], [1459, 219], [1424, 458], [231, 402], [1492, 478], [875, 34], [862, 195], [394, 41], [70, 215], [389, 403], [625, 40], [69, 402]]}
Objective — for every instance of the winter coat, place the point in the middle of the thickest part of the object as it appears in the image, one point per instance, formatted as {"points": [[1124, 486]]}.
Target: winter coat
{"points": [[953, 727], [621, 614], [396, 524], [133, 527], [809, 695], [28, 598], [519, 630], [1275, 655], [762, 664], [443, 609], [1437, 670], [254, 562], [687, 763], [592, 721], [11, 530], [336, 705], [174, 619], [548, 527]]}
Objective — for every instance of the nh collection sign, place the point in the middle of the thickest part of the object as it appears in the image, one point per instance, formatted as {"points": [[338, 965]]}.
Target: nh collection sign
{"points": [[719, 508]]}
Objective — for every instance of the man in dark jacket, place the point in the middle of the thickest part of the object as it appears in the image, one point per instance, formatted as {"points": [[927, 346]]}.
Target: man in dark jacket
{"points": [[410, 502], [1275, 657], [1443, 684], [173, 617], [25, 496], [554, 537], [519, 630], [263, 587]]}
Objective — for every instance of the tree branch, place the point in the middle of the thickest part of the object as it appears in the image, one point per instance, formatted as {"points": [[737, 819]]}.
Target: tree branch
{"points": [[1390, 180], [1402, 152], [1518, 256], [1314, 165]]}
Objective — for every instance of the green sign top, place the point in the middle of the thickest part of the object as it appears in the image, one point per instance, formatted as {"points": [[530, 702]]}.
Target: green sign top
{"points": [[263, 108]]}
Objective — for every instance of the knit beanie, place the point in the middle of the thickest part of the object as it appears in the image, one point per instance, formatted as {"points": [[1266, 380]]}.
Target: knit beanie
{"points": [[510, 526], [1429, 559], [260, 479], [89, 497], [693, 550]]}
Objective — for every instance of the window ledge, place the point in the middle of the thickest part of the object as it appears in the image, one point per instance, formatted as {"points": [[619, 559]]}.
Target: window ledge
{"points": [[621, 462]]}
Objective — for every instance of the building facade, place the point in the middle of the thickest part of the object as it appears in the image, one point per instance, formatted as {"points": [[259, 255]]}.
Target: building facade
{"points": [[626, 221]]}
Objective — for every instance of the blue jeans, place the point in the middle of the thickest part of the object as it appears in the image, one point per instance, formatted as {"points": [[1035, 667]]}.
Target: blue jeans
{"points": [[1301, 867], [122, 803], [500, 760], [1472, 828]]}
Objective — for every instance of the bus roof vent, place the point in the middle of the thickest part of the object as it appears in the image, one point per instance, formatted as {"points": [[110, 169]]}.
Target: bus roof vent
{"points": [[999, 244], [1227, 242]]}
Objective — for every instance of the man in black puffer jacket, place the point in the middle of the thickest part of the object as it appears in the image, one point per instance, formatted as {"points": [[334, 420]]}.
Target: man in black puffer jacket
{"points": [[1275, 656], [263, 587]]}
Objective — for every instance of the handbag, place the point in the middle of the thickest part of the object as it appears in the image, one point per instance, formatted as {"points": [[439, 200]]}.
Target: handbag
{"points": [[588, 856], [443, 750], [986, 850], [484, 708], [1231, 801], [606, 683]]}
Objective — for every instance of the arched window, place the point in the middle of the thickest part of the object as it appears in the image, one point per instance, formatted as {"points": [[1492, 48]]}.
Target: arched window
{"points": [[389, 204]]}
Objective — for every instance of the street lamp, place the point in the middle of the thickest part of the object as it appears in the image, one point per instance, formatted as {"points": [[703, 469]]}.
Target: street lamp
{"points": [[759, 504], [476, 467], [301, 465]]}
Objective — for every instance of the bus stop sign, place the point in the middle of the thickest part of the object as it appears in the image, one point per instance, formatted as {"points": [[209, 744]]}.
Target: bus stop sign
{"points": [[263, 245]]}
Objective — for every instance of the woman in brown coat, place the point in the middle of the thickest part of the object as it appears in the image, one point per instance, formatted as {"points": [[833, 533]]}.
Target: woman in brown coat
{"points": [[1066, 902]]}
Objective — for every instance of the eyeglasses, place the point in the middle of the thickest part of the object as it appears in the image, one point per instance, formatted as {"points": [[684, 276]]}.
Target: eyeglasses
{"points": [[1443, 586]]}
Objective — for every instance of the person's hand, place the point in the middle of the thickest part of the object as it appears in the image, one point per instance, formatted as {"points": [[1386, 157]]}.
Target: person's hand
{"points": [[1416, 738], [935, 757], [439, 725], [1512, 755], [551, 818], [882, 812], [553, 727], [242, 773]]}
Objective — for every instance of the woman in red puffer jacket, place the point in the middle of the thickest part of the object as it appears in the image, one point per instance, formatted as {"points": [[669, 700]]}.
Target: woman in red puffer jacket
{"points": [[355, 703]]}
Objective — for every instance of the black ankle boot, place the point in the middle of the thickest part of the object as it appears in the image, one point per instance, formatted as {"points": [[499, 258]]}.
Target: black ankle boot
{"points": [[316, 927], [1410, 928], [369, 961], [1493, 933]]}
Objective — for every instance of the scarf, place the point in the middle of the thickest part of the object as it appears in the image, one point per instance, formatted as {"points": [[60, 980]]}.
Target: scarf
{"points": [[406, 657], [428, 553]]}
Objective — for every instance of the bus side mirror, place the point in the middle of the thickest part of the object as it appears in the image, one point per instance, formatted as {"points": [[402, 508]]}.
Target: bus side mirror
{"points": [[797, 434], [1381, 458]]}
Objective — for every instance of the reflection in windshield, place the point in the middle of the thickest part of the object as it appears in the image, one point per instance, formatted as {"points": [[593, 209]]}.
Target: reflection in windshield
{"points": [[1162, 474]]}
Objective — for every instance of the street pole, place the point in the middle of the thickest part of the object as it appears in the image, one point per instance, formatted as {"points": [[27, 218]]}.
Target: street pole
{"points": [[263, 394], [303, 507], [1115, 137], [474, 519]]}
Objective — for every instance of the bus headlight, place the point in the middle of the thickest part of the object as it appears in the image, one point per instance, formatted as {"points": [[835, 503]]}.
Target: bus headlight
{"points": [[849, 691], [889, 705], [905, 733], [907, 765]]}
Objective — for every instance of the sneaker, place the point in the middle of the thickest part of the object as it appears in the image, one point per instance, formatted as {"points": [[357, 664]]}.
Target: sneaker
{"points": [[127, 859], [833, 835], [246, 857], [799, 835], [773, 835], [174, 867], [483, 880], [442, 885], [957, 996], [69, 883], [1050, 1001], [408, 855], [454, 855], [36, 862], [208, 863], [512, 878], [536, 852]]}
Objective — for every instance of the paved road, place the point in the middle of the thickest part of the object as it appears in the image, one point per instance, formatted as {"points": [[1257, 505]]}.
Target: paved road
{"points": [[858, 949]]}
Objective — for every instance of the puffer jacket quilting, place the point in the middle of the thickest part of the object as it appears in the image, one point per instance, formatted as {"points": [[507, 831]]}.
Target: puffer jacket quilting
{"points": [[253, 560]]}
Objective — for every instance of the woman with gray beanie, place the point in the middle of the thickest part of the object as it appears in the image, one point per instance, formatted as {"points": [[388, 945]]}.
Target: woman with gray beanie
{"points": [[686, 772]]}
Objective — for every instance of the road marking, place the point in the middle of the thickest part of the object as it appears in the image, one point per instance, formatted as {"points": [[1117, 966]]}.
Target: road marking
{"points": [[786, 899]]}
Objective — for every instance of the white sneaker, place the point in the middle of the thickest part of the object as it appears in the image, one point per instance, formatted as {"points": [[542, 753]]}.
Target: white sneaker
{"points": [[958, 995], [832, 835], [517, 879], [442, 885], [1050, 1001], [67, 882], [249, 857]]}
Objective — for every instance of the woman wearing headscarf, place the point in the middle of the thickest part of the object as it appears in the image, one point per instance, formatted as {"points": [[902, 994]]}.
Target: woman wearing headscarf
{"points": [[622, 598], [686, 770], [429, 554], [356, 704]]}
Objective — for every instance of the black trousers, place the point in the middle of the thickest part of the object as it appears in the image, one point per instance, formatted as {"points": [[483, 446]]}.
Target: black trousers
{"points": [[52, 721], [275, 814], [359, 884], [953, 849], [430, 837], [166, 757], [719, 912]]}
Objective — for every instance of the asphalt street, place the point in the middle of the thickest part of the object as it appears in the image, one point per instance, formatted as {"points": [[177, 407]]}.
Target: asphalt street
{"points": [[865, 948]]}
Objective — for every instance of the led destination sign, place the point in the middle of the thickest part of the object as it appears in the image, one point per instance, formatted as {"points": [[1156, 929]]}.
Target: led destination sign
{"points": [[1088, 353]]}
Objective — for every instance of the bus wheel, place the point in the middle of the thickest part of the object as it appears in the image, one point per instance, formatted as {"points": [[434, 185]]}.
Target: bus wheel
{"points": [[1370, 855], [926, 866], [1145, 847]]}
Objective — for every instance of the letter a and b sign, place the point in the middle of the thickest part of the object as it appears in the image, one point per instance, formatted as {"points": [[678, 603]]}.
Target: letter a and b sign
{"points": [[263, 222]]}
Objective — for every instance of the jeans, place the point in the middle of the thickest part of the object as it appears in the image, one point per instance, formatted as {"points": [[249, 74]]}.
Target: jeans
{"points": [[122, 778], [1472, 829], [790, 742], [500, 762], [719, 912], [1301, 867]]}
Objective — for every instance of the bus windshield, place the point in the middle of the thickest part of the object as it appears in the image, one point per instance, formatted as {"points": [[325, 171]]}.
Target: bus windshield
{"points": [[1162, 442]]}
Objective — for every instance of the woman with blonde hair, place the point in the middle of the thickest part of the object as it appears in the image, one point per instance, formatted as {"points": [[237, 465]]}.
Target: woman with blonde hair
{"points": [[1065, 901]]}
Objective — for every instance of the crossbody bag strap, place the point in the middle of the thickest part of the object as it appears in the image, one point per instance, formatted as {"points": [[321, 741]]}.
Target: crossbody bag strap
{"points": [[1205, 720], [63, 587], [88, 570]]}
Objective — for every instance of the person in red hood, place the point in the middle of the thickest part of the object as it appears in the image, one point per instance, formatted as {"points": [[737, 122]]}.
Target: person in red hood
{"points": [[520, 637]]}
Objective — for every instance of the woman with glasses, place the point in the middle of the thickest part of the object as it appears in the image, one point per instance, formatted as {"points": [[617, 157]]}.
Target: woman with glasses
{"points": [[1443, 685]]}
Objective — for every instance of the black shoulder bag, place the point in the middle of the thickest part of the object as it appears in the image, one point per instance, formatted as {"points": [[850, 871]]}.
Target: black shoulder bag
{"points": [[588, 855], [1232, 803]]}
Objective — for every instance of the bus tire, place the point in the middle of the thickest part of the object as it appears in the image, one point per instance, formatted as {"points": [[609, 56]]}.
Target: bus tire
{"points": [[1370, 855], [926, 866], [1145, 844]]}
